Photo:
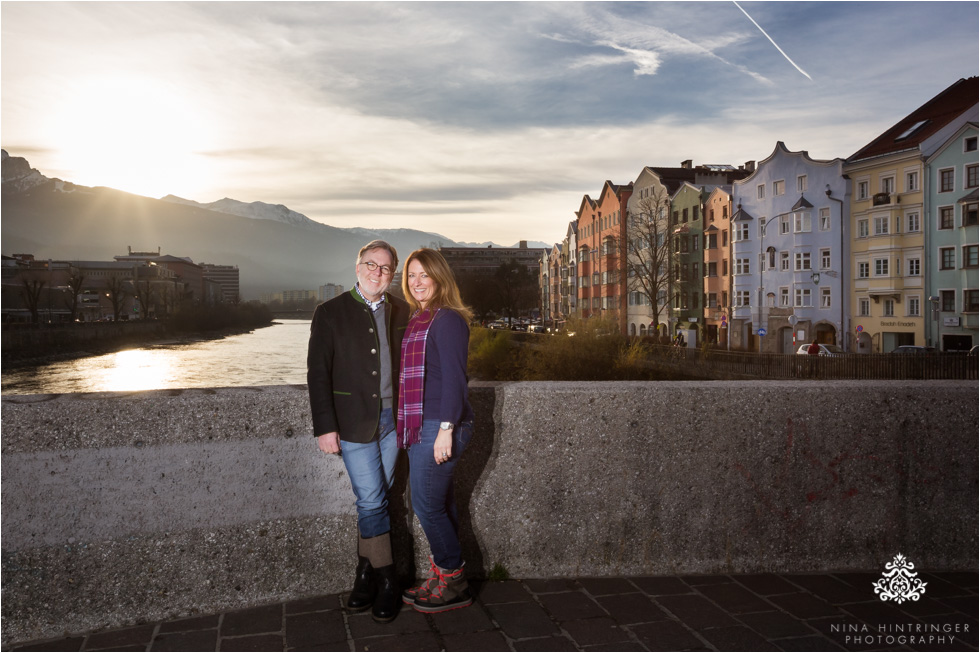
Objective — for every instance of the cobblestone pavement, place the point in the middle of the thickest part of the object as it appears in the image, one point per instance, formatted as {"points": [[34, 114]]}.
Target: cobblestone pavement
{"points": [[760, 612]]}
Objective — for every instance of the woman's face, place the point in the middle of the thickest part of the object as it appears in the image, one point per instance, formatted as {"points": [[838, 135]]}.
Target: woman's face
{"points": [[419, 284]]}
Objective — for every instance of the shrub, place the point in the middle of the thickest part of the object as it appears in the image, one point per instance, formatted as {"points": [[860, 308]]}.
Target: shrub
{"points": [[492, 355]]}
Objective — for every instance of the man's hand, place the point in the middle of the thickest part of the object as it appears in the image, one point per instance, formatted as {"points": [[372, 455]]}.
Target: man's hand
{"points": [[329, 442]]}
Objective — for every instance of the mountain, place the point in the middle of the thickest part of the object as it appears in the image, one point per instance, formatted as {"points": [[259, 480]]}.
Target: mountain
{"points": [[274, 248]]}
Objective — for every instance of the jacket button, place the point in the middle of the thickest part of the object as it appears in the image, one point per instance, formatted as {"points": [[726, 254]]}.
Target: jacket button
{"points": [[374, 396], [374, 373], [374, 351], [370, 330]]}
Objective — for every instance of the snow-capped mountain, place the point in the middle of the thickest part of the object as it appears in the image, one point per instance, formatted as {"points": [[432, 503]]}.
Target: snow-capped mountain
{"points": [[18, 175], [253, 210]]}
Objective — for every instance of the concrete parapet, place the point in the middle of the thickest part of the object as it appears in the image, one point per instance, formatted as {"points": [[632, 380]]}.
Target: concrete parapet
{"points": [[125, 507]]}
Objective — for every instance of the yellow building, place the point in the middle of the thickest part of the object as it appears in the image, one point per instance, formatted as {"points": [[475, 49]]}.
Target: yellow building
{"points": [[889, 294]]}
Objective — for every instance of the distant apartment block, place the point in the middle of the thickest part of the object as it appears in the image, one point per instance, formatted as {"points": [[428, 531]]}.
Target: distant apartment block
{"points": [[226, 276], [486, 260], [329, 291]]}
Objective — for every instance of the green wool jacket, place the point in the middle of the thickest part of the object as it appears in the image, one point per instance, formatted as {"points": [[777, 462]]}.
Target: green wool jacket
{"points": [[343, 366]]}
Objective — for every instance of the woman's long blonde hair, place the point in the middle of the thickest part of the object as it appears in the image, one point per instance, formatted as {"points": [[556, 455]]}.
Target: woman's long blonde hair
{"points": [[446, 293]]}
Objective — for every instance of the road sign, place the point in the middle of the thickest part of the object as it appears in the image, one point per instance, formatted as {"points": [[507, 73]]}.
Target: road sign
{"points": [[761, 332], [859, 328]]}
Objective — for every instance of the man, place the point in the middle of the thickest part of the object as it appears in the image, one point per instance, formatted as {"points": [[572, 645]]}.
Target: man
{"points": [[352, 374]]}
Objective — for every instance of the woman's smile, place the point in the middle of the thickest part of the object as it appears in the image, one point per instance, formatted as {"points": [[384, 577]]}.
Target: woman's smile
{"points": [[422, 287]]}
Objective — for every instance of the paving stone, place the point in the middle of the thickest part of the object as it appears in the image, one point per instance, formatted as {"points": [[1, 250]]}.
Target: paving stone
{"points": [[660, 586], [315, 628], [554, 643], [632, 608], [623, 646], [766, 584], [567, 606], [603, 586], [696, 612], [66, 644], [314, 604], [195, 640], [926, 606], [775, 624], [191, 623], [507, 591], [734, 598], [421, 641], [964, 579], [253, 621], [132, 647], [965, 604], [463, 620], [831, 589], [706, 579], [488, 640], [812, 643], [595, 631], [408, 621], [520, 620], [266, 642], [859, 579], [804, 606], [666, 636], [877, 612], [737, 638], [122, 637], [938, 588], [543, 585]]}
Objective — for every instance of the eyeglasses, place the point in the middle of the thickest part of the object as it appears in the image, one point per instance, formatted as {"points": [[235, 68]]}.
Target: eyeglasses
{"points": [[372, 266]]}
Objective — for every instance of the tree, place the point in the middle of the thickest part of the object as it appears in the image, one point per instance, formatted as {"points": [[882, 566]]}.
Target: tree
{"points": [[33, 285], [648, 257], [144, 293], [516, 288], [117, 292], [75, 283]]}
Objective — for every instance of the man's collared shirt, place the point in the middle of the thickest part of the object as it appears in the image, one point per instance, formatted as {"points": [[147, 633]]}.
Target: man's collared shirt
{"points": [[374, 306]]}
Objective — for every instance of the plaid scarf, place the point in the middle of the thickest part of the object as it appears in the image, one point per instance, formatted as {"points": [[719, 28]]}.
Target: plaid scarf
{"points": [[411, 379]]}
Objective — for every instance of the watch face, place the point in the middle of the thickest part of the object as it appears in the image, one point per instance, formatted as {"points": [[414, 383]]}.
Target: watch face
{"points": [[446, 426]]}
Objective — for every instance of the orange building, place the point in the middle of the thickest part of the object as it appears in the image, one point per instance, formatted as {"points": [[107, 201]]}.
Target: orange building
{"points": [[601, 230], [717, 275]]}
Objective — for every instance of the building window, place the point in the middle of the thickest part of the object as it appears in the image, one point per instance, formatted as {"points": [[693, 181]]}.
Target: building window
{"points": [[881, 226], [888, 185], [742, 231], [946, 177], [970, 301], [801, 222], [914, 267], [760, 191], [946, 217], [825, 219], [947, 301], [741, 298], [862, 228], [862, 190], [969, 256], [969, 214], [801, 183], [784, 224], [912, 181], [802, 261], [881, 267], [711, 269], [913, 306], [784, 297], [825, 259], [742, 266], [711, 241], [947, 258], [803, 297], [825, 298], [724, 267], [684, 215], [864, 307], [970, 144], [863, 270], [778, 188], [888, 308], [913, 223], [971, 176], [784, 261]]}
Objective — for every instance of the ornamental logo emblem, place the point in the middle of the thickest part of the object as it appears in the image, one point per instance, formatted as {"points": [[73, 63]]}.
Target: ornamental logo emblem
{"points": [[899, 583]]}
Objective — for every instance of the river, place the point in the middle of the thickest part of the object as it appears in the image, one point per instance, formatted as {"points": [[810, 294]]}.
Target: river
{"points": [[274, 355]]}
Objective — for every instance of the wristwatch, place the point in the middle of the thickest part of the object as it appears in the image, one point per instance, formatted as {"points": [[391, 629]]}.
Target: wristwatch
{"points": [[446, 426]]}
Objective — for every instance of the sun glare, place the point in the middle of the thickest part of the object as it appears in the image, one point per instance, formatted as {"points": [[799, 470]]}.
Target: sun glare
{"points": [[133, 134]]}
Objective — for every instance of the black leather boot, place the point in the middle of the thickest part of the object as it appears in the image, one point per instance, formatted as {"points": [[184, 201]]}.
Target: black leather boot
{"points": [[389, 599], [365, 588]]}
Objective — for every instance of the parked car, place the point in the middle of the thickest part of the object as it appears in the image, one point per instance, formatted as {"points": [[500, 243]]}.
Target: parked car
{"points": [[825, 350], [535, 328], [913, 349]]}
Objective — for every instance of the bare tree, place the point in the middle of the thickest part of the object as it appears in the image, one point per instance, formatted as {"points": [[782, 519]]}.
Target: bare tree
{"points": [[33, 285], [144, 293], [117, 292], [648, 253], [75, 282]]}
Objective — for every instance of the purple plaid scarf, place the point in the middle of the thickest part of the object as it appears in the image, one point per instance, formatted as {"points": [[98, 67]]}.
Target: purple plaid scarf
{"points": [[411, 379]]}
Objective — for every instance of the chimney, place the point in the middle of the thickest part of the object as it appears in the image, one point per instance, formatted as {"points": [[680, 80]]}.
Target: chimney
{"points": [[749, 166], [687, 165], [523, 244]]}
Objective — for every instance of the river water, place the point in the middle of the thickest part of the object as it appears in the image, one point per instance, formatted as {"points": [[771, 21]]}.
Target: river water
{"points": [[274, 355]]}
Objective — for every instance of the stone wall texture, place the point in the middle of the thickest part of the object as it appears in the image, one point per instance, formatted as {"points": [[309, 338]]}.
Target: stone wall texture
{"points": [[124, 507]]}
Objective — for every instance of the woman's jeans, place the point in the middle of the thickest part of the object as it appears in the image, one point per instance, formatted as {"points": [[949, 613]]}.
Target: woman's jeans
{"points": [[432, 492], [371, 467]]}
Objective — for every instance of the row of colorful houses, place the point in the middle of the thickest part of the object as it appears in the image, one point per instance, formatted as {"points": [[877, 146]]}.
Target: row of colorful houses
{"points": [[869, 253]]}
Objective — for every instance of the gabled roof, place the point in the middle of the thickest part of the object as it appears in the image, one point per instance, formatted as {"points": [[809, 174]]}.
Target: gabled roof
{"points": [[909, 132]]}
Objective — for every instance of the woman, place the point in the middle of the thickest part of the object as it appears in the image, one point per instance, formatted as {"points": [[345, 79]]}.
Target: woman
{"points": [[435, 420]]}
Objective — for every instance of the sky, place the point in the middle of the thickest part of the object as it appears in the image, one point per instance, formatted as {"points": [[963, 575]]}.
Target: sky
{"points": [[477, 121]]}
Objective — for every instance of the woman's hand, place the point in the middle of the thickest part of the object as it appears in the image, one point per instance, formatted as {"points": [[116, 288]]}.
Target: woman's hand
{"points": [[443, 449]]}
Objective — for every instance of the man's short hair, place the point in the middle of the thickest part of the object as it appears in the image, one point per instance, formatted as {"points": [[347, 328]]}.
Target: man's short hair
{"points": [[380, 244]]}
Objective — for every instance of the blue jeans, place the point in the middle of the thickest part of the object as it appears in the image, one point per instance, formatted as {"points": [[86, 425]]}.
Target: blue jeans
{"points": [[371, 468], [433, 499]]}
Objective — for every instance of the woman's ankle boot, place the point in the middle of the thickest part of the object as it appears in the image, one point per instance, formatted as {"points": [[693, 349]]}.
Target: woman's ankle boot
{"points": [[361, 597], [388, 600]]}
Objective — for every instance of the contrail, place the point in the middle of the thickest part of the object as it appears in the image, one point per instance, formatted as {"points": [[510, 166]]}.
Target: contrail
{"points": [[771, 41]]}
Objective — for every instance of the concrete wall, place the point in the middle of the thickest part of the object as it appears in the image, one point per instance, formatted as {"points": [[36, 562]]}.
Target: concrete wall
{"points": [[129, 506]]}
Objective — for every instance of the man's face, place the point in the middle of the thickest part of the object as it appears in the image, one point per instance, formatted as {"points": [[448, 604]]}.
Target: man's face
{"points": [[373, 283]]}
